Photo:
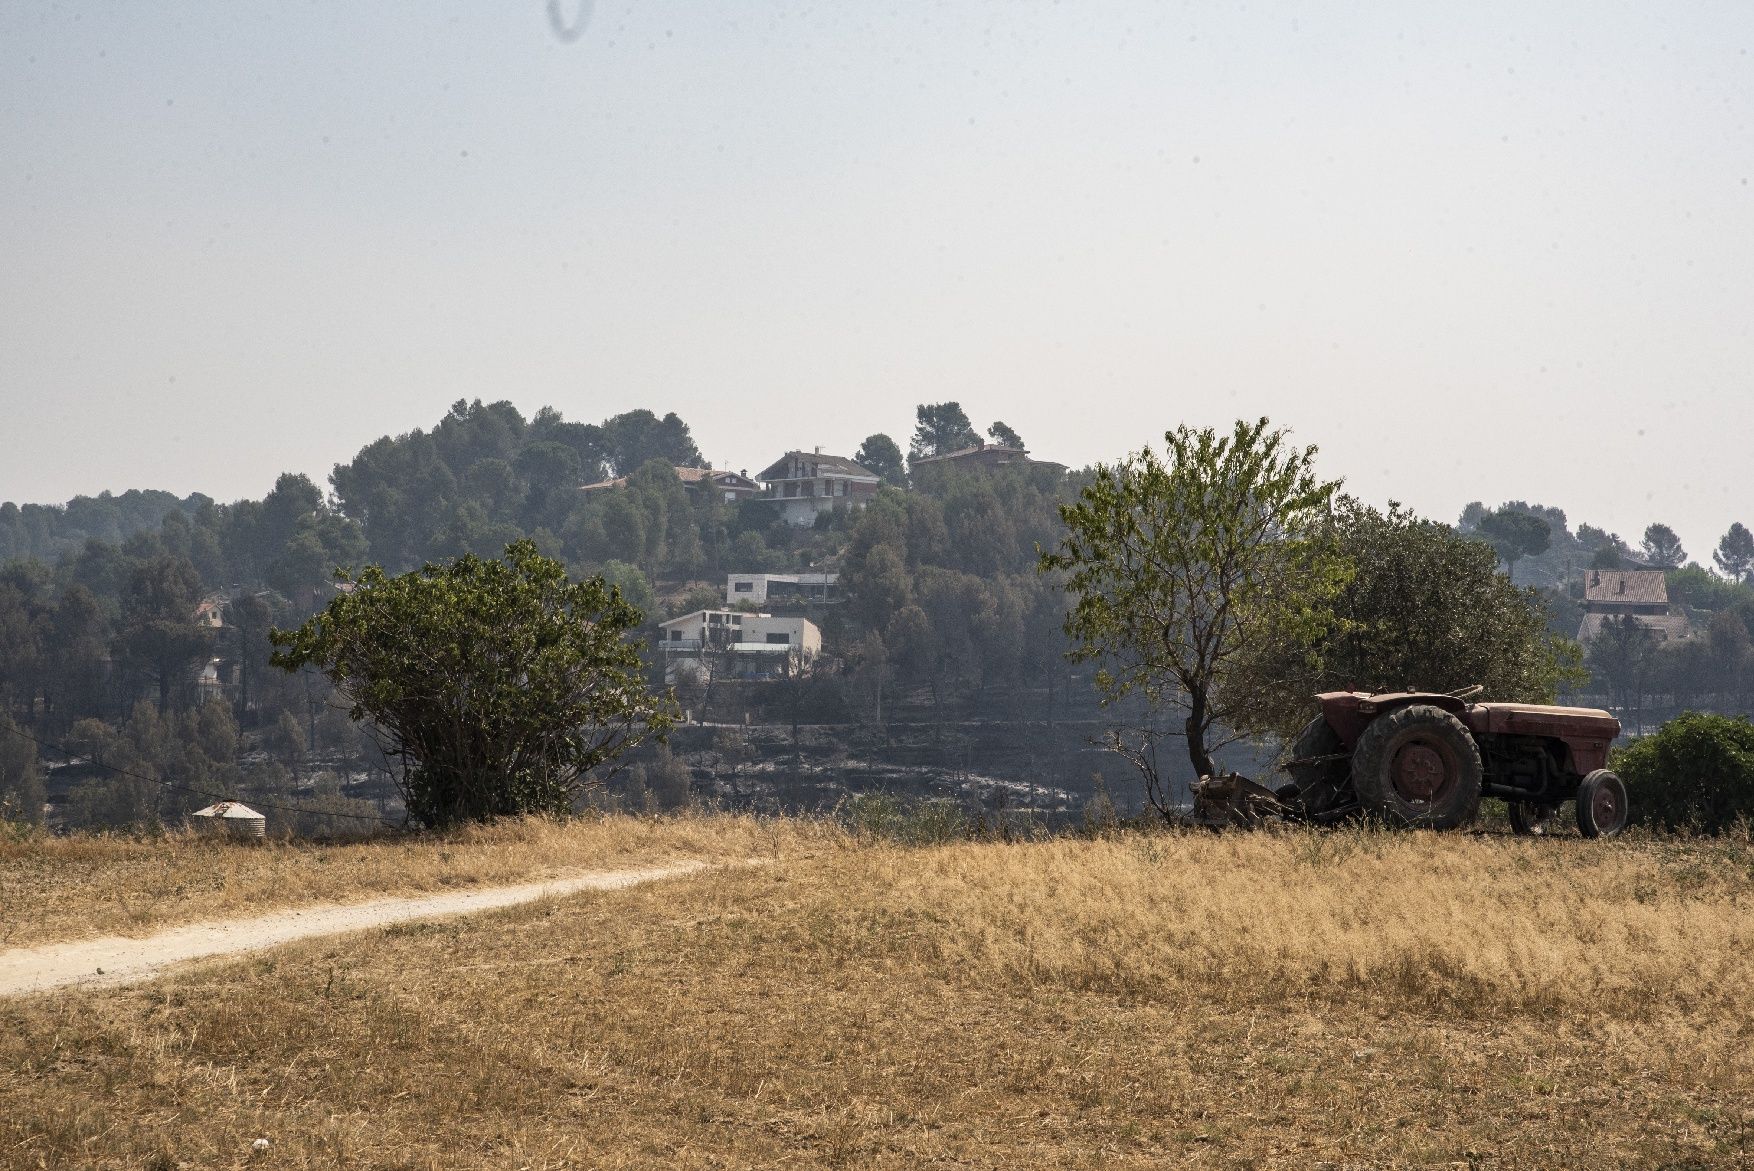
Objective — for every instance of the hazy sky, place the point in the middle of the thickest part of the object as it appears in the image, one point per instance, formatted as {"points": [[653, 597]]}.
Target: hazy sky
{"points": [[1499, 250]]}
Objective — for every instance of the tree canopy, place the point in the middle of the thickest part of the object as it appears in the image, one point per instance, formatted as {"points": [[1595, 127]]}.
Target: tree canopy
{"points": [[1734, 556], [940, 429], [1423, 608], [1177, 564], [880, 454], [1516, 534], [1001, 434], [1662, 547], [495, 686]]}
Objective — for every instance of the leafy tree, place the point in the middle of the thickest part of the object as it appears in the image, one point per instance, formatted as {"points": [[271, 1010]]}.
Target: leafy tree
{"points": [[1622, 655], [158, 637], [1695, 771], [1608, 557], [941, 428], [76, 670], [1424, 608], [1735, 553], [1727, 638], [1662, 547], [21, 779], [551, 475], [880, 454], [20, 649], [496, 686], [1178, 564], [635, 590], [1516, 534], [638, 437], [1004, 436]]}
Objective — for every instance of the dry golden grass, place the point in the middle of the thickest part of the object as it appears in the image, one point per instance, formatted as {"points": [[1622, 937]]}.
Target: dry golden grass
{"points": [[1297, 1000], [54, 889]]}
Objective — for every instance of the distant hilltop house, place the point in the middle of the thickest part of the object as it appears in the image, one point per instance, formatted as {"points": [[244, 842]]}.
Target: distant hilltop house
{"points": [[983, 455], [731, 486], [732, 644], [764, 588], [1641, 594], [802, 485], [211, 612]]}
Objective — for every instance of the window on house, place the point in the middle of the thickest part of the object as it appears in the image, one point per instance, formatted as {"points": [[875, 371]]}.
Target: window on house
{"points": [[745, 587], [675, 636], [780, 639], [714, 619]]}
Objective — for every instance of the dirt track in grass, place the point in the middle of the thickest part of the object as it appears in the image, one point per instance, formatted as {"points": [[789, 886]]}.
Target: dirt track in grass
{"points": [[122, 960]]}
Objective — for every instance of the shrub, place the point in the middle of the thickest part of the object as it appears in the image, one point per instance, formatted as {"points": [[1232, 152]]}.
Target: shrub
{"points": [[1696, 772]]}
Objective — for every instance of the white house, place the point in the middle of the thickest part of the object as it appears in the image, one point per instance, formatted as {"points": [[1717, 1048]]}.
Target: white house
{"points": [[804, 484], [734, 644], [762, 588]]}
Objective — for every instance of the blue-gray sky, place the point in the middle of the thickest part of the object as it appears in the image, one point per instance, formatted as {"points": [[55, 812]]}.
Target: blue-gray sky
{"points": [[1484, 250]]}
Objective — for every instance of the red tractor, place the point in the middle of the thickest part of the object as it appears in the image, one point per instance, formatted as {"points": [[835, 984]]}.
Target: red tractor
{"points": [[1426, 759]]}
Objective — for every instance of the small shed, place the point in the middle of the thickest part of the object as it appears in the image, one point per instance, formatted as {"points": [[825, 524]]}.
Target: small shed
{"points": [[230, 819]]}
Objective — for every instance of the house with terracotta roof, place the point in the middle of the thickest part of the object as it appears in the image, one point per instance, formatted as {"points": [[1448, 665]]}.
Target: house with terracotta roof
{"points": [[1642, 594], [730, 486], [802, 485]]}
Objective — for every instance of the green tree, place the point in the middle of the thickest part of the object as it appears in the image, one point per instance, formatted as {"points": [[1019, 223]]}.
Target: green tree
{"points": [[1622, 656], [880, 454], [1425, 609], [21, 778], [1178, 564], [635, 590], [496, 686], [1735, 553], [1662, 547], [1516, 534], [1004, 436], [638, 437], [940, 429], [158, 637]]}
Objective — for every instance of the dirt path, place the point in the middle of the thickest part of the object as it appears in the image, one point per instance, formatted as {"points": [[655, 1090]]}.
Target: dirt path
{"points": [[116, 960]]}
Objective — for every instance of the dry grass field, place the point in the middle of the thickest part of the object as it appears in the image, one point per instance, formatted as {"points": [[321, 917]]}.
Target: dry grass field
{"points": [[1298, 1000], [59, 888]]}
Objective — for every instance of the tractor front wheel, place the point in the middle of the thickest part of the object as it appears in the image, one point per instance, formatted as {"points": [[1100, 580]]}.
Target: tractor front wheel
{"points": [[1602, 810], [1418, 766]]}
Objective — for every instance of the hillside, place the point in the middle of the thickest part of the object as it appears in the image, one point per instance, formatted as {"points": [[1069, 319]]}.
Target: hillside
{"points": [[1290, 1000]]}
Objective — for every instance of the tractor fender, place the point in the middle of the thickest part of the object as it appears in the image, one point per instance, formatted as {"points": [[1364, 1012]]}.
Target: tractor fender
{"points": [[1350, 712]]}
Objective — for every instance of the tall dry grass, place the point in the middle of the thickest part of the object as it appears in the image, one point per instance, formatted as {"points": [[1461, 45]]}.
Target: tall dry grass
{"points": [[59, 888], [1304, 1000]]}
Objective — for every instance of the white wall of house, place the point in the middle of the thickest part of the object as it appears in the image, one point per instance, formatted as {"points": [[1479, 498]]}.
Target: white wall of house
{"points": [[763, 638], [755, 587]]}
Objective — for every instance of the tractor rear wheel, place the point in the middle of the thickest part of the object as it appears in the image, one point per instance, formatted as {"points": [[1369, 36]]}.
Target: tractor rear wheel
{"points": [[1602, 809], [1531, 820], [1418, 766]]}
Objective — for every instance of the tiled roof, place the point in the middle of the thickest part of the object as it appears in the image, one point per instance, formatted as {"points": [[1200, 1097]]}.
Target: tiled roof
{"points": [[826, 465], [686, 475], [1625, 585], [978, 447]]}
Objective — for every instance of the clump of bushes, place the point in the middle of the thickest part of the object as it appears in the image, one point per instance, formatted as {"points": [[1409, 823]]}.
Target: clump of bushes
{"points": [[1696, 773]]}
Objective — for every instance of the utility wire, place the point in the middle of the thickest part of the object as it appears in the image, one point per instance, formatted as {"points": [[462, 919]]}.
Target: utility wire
{"points": [[69, 755]]}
